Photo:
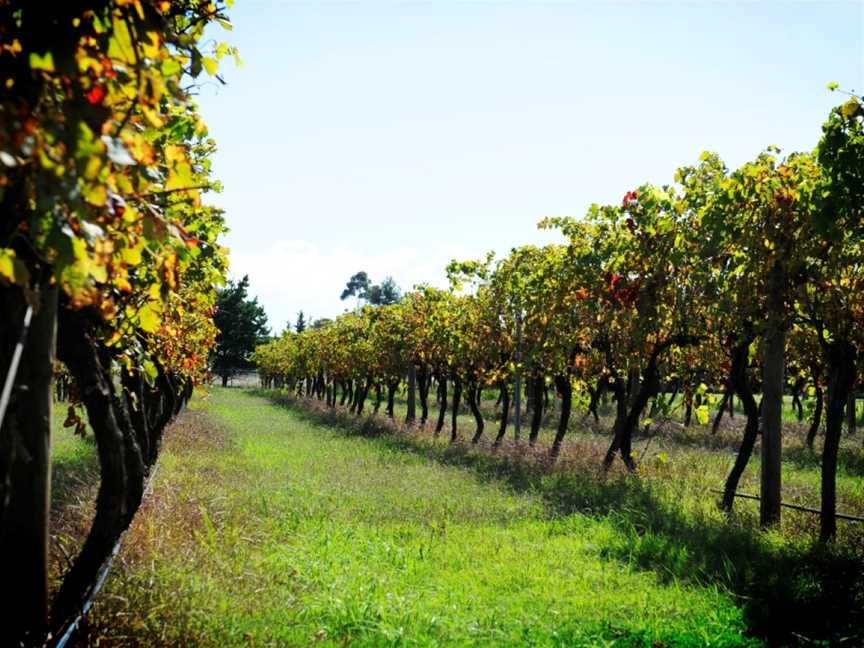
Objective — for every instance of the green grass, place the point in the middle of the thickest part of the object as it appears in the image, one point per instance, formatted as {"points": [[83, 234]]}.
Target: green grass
{"points": [[792, 589], [74, 466], [269, 528], [695, 458], [74, 480], [66, 446]]}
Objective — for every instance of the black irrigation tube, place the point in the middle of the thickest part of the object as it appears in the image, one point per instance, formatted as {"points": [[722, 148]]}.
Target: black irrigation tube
{"points": [[797, 507], [68, 630]]}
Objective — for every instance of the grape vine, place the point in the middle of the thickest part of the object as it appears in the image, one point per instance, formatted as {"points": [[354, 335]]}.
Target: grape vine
{"points": [[714, 283], [104, 234]]}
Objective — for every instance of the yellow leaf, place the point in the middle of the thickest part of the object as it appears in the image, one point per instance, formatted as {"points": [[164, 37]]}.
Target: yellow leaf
{"points": [[95, 194], [151, 45], [149, 318], [153, 117], [140, 149], [131, 256], [211, 65], [182, 177], [174, 153], [120, 46], [98, 271], [850, 108], [12, 270], [115, 338], [94, 165], [130, 215], [122, 284], [7, 260]]}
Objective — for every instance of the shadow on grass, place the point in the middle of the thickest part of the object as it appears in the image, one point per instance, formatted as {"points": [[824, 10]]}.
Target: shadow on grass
{"points": [[667, 429], [792, 593], [850, 461]]}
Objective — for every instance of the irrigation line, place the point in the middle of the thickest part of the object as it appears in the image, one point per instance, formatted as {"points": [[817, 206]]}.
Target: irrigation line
{"points": [[69, 630], [797, 507], [13, 366]]}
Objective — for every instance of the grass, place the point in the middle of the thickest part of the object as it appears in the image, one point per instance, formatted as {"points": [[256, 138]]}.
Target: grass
{"points": [[269, 528], [296, 525], [74, 482], [700, 461], [792, 589]]}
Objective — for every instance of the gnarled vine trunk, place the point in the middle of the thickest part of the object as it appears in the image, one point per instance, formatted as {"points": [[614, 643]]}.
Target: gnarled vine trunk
{"points": [[473, 403], [120, 463], [841, 377], [819, 395], [622, 439], [565, 390], [423, 387], [721, 409], [505, 412], [442, 403], [738, 379], [378, 398], [392, 386], [360, 394]]}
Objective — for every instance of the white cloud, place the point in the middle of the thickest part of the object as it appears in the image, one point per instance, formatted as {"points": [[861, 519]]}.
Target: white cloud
{"points": [[292, 275]]}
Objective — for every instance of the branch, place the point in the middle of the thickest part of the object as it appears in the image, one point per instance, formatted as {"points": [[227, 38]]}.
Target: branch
{"points": [[164, 192]]}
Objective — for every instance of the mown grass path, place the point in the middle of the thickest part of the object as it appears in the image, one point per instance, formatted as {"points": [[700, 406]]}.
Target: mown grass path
{"points": [[268, 529]]}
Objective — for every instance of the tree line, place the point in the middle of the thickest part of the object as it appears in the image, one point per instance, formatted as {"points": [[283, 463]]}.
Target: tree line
{"points": [[742, 282]]}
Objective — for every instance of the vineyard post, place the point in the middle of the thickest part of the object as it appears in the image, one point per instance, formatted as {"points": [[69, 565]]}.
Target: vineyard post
{"points": [[517, 395], [772, 400], [24, 528]]}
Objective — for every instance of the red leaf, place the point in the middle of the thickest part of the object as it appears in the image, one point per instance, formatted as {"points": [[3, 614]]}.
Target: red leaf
{"points": [[96, 94]]}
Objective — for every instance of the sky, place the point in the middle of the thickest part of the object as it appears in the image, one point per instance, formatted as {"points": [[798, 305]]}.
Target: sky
{"points": [[392, 137]]}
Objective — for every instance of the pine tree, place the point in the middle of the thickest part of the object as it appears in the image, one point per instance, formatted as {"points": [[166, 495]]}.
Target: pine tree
{"points": [[242, 325]]}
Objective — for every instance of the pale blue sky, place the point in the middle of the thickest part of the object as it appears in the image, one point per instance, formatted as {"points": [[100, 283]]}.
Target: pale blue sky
{"points": [[391, 137]]}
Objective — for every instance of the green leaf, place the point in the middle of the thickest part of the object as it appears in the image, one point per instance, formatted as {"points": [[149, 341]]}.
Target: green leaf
{"points": [[150, 371], [832, 86], [170, 67], [44, 62], [702, 414]]}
